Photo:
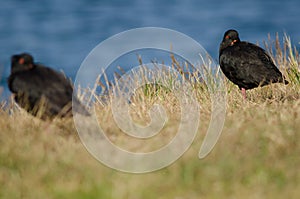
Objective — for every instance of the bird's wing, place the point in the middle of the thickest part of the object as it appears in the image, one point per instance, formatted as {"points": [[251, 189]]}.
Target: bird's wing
{"points": [[60, 91], [262, 66]]}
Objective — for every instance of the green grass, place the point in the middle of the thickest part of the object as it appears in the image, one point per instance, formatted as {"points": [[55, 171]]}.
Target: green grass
{"points": [[257, 155]]}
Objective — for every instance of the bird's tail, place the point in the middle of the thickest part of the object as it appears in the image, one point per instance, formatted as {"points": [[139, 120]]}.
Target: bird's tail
{"points": [[78, 107]]}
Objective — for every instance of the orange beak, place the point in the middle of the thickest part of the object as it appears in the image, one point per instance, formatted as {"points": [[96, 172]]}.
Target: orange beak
{"points": [[233, 42]]}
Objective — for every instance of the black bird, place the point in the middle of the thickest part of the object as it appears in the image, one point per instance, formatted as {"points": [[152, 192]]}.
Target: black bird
{"points": [[40, 90], [246, 64]]}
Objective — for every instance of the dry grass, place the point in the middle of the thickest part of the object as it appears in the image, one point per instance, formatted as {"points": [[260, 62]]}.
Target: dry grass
{"points": [[257, 155]]}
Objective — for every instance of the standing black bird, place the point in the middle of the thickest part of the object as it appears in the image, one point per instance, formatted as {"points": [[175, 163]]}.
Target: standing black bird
{"points": [[40, 90], [245, 64]]}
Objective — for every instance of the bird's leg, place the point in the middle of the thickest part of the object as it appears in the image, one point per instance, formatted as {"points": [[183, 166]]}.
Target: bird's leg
{"points": [[243, 90]]}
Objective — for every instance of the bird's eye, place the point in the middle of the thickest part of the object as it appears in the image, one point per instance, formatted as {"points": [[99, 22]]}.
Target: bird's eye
{"points": [[227, 37]]}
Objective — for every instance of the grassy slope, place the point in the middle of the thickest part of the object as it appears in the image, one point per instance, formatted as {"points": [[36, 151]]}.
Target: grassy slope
{"points": [[257, 155]]}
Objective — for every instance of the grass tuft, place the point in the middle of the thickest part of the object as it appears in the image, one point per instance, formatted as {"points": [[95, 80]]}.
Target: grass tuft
{"points": [[257, 155]]}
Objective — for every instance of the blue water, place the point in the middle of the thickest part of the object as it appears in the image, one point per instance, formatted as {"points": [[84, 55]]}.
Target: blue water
{"points": [[60, 33]]}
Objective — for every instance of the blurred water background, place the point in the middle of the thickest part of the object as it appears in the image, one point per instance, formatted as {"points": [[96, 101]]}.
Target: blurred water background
{"points": [[61, 33]]}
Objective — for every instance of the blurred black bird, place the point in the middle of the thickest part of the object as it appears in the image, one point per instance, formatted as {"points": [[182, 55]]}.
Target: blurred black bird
{"points": [[246, 64], [40, 90]]}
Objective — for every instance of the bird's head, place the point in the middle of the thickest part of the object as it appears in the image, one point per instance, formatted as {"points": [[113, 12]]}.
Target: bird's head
{"points": [[230, 38], [21, 62]]}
